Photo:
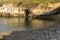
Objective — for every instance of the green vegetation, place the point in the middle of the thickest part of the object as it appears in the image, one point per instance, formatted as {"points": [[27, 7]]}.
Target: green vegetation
{"points": [[31, 3], [9, 0]]}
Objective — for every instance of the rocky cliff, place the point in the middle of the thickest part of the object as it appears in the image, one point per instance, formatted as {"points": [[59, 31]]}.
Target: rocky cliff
{"points": [[12, 10]]}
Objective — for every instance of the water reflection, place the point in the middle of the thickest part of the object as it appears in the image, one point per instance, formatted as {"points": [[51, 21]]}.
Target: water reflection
{"points": [[18, 24], [27, 23], [42, 23]]}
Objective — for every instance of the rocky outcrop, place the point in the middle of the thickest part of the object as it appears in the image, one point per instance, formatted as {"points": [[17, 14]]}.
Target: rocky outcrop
{"points": [[40, 9], [50, 14], [16, 11]]}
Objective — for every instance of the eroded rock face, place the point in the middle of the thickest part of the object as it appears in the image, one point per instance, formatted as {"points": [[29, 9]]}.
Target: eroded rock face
{"points": [[50, 14], [15, 10], [40, 9]]}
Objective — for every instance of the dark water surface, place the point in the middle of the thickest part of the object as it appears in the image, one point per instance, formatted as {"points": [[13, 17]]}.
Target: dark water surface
{"points": [[19, 24]]}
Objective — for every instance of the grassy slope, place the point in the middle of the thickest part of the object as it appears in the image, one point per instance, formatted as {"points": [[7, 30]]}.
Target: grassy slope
{"points": [[9, 0], [31, 2], [36, 2]]}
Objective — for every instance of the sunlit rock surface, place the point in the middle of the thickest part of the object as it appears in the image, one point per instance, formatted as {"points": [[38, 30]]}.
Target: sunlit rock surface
{"points": [[11, 8]]}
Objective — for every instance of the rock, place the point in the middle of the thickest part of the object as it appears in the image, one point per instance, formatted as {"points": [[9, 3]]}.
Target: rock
{"points": [[50, 14]]}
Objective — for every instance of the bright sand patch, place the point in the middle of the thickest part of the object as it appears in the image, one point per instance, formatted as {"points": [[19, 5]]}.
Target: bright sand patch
{"points": [[4, 33]]}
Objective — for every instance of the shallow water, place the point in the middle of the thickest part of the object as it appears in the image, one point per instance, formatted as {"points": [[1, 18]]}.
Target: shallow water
{"points": [[19, 24]]}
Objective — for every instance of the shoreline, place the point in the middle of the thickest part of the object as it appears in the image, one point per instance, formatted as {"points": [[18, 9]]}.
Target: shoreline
{"points": [[47, 33]]}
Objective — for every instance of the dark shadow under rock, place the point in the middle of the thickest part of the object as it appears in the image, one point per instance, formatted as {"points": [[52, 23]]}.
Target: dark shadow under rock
{"points": [[50, 14]]}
